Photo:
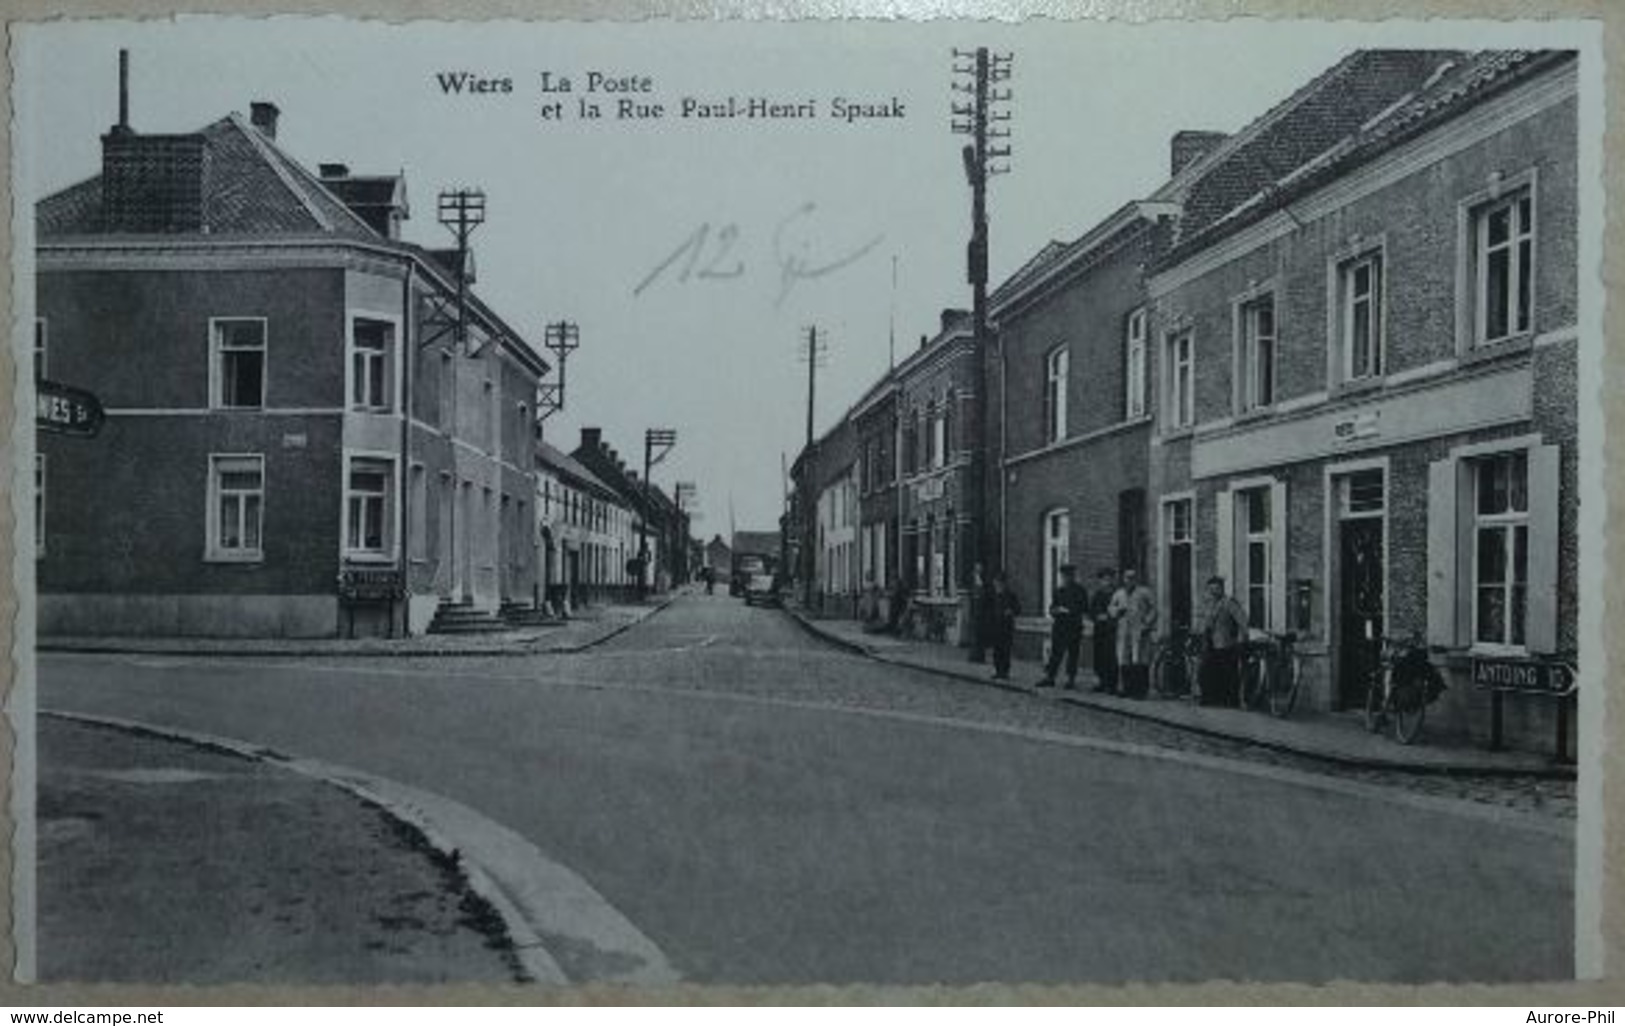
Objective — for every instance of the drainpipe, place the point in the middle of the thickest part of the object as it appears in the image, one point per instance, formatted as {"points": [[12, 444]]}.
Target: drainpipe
{"points": [[409, 352]]}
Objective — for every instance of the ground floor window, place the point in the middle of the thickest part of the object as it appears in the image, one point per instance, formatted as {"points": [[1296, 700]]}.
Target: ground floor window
{"points": [[1493, 526], [366, 506], [39, 505], [237, 506]]}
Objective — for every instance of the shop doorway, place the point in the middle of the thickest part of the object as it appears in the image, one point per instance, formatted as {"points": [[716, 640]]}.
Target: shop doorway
{"points": [[1362, 576], [1179, 587]]}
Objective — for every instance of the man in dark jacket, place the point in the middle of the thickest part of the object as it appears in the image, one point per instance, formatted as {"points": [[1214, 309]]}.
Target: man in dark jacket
{"points": [[1224, 632], [1066, 628], [1004, 608], [1105, 626]]}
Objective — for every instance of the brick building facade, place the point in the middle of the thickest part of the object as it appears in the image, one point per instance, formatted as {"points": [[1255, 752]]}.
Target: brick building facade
{"points": [[1379, 347]]}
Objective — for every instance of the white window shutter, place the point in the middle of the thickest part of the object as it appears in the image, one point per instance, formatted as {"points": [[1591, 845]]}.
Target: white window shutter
{"points": [[1541, 629], [1278, 536], [1225, 532], [1442, 575]]}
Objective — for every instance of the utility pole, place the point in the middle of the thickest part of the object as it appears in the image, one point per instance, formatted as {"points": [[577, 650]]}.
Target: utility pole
{"points": [[462, 211], [985, 155], [562, 338], [657, 442], [815, 351]]}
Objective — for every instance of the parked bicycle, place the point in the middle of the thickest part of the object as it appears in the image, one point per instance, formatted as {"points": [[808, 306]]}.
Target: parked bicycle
{"points": [[1176, 664], [1403, 684], [1271, 672]]}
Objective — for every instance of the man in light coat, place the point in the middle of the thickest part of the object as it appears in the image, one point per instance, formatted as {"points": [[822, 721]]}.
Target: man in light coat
{"points": [[1134, 608]]}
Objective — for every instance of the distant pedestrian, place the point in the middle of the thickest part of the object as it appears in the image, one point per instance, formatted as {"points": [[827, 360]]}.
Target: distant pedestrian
{"points": [[1224, 631], [1002, 624], [1066, 628], [1135, 609], [1105, 628]]}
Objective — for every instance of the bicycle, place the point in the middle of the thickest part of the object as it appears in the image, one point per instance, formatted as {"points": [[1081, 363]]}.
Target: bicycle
{"points": [[1403, 684], [1176, 665], [1271, 672]]}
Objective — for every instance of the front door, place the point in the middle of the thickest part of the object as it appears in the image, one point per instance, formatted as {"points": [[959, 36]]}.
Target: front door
{"points": [[1360, 603]]}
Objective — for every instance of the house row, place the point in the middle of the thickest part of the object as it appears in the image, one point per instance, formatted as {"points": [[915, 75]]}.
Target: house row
{"points": [[1331, 358], [312, 427]]}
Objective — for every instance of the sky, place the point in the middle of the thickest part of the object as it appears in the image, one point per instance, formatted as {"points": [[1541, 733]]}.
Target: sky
{"points": [[667, 239]]}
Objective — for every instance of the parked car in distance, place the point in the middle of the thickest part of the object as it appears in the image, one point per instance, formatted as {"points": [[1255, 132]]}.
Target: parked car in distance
{"points": [[763, 589]]}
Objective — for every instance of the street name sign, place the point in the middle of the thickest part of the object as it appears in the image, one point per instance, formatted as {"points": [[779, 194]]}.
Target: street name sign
{"points": [[1535, 675], [66, 410]]}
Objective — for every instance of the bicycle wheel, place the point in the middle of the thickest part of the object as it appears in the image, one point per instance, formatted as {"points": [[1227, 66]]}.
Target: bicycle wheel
{"points": [[1283, 690], [1410, 708], [1374, 715], [1255, 675]]}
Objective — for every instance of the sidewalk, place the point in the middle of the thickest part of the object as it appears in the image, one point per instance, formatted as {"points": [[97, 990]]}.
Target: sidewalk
{"points": [[588, 628], [1339, 738], [165, 862]]}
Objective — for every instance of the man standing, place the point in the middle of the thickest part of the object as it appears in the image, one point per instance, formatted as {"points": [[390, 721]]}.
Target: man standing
{"points": [[1105, 640], [1066, 628], [1135, 610], [1224, 628], [1004, 608]]}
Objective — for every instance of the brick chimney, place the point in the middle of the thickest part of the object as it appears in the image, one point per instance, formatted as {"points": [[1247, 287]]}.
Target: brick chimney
{"points": [[591, 437], [263, 114], [334, 170], [1185, 147]]}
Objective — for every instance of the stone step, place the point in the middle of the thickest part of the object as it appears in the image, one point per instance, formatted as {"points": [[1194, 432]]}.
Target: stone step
{"points": [[471, 627]]}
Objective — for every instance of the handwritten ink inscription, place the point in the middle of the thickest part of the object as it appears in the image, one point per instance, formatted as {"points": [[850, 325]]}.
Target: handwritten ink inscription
{"points": [[710, 254]]}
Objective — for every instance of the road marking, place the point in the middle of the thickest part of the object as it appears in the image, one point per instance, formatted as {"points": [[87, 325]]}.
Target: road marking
{"points": [[541, 901], [1280, 774]]}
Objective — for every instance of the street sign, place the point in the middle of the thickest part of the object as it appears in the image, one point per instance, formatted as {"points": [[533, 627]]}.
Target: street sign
{"points": [[66, 410], [368, 584], [1532, 675]]}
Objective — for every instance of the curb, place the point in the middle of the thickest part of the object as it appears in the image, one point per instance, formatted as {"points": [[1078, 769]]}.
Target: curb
{"points": [[252, 648], [614, 633], [1551, 772], [529, 950]]}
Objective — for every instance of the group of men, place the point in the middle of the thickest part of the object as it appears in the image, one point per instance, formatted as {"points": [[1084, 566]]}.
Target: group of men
{"points": [[1123, 614]]}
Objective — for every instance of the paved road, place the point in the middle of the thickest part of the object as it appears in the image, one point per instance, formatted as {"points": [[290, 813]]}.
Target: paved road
{"points": [[768, 809]]}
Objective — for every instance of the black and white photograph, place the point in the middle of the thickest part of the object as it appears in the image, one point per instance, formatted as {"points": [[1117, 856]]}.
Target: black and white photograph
{"points": [[807, 502]]}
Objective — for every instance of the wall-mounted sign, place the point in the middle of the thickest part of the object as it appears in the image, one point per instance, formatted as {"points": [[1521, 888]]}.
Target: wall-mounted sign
{"points": [[1358, 426], [371, 584], [66, 410], [930, 490]]}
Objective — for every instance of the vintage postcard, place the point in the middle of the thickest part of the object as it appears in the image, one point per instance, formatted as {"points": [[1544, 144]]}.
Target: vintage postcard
{"points": [[750, 502]]}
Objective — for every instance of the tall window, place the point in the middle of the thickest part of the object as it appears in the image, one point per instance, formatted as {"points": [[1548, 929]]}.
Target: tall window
{"points": [[1181, 406], [1256, 555], [39, 348], [1134, 367], [1501, 549], [1257, 324], [371, 343], [39, 505], [1181, 546], [1503, 257], [1057, 545], [419, 514], [448, 385], [911, 443], [238, 348], [939, 435], [949, 442], [1360, 316], [1055, 366], [237, 507], [366, 502]]}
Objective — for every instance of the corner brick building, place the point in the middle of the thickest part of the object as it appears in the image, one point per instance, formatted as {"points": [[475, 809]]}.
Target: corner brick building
{"points": [[293, 445]]}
